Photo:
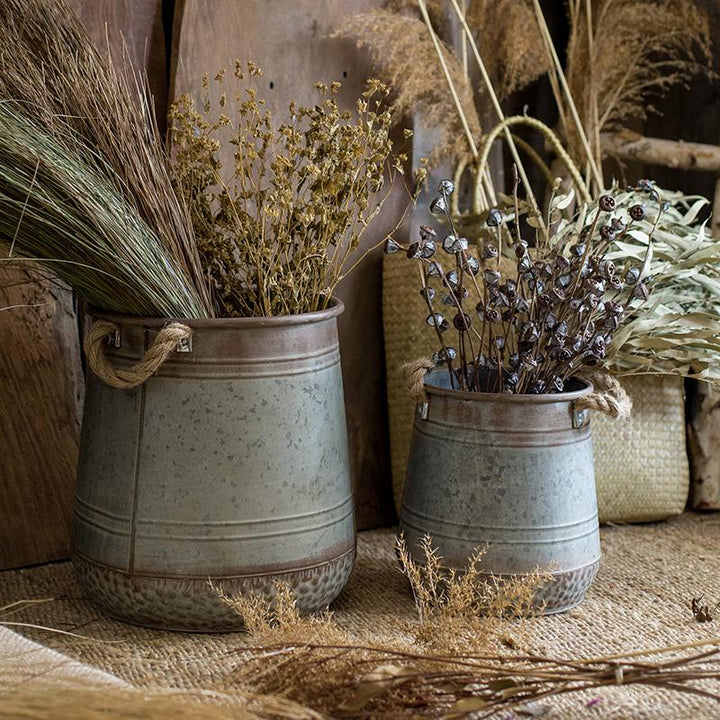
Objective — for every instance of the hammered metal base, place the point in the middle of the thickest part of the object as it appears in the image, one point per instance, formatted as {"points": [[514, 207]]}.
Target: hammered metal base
{"points": [[566, 590], [190, 605]]}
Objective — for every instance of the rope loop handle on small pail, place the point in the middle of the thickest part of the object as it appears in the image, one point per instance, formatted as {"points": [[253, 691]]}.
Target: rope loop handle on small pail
{"points": [[415, 373], [164, 344], [608, 396]]}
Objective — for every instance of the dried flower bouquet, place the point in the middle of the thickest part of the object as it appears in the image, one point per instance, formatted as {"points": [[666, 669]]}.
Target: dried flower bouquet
{"points": [[281, 233], [554, 314]]}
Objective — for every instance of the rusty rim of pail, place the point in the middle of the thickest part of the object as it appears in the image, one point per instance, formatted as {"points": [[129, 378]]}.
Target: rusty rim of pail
{"points": [[335, 308], [585, 389]]}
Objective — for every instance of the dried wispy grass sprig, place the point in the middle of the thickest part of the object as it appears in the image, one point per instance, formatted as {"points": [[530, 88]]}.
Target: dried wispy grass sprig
{"points": [[37, 690], [403, 53], [456, 604], [401, 48], [512, 51], [278, 617], [621, 55]]}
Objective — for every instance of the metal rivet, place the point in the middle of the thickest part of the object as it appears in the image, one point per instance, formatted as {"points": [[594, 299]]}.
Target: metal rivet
{"points": [[184, 346], [423, 410], [579, 418]]}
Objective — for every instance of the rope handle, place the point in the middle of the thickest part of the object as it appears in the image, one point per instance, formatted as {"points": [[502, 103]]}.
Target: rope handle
{"points": [[608, 396], [159, 351], [415, 373]]}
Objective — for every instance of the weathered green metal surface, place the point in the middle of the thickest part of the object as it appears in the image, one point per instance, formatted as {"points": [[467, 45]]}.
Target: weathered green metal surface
{"points": [[230, 463], [514, 472]]}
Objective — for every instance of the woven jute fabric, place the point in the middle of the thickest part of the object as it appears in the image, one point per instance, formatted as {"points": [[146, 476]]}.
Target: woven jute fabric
{"points": [[640, 600], [641, 464]]}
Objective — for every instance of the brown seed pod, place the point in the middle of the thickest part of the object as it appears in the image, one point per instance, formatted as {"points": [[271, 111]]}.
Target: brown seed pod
{"points": [[637, 212], [607, 203], [490, 251], [462, 321], [414, 252], [427, 233]]}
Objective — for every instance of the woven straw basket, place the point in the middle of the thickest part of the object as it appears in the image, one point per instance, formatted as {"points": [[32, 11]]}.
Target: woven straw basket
{"points": [[641, 465]]}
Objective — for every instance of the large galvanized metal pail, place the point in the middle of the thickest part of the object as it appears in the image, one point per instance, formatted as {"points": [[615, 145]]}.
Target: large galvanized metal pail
{"points": [[229, 464], [513, 472]]}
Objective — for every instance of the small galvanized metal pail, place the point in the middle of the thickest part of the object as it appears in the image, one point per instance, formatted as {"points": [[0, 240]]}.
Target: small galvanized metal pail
{"points": [[229, 464], [514, 472]]}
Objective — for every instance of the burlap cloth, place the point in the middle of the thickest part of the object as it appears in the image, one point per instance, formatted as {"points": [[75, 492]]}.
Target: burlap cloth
{"points": [[640, 600]]}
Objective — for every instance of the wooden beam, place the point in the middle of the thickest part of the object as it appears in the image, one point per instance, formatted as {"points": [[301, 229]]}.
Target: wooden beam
{"points": [[628, 145]]}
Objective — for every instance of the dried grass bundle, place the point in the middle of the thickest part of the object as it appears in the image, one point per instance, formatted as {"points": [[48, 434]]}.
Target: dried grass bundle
{"points": [[57, 205], [99, 119], [507, 34], [38, 695], [621, 53], [404, 55], [77, 700]]}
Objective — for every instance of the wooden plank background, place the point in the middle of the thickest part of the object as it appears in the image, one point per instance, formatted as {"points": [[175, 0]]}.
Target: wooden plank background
{"points": [[40, 366]]}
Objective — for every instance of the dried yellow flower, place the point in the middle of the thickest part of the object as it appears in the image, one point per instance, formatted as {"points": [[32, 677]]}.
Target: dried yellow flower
{"points": [[277, 237]]}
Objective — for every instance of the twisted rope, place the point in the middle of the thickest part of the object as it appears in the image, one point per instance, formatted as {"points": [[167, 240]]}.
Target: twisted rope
{"points": [[608, 397], [162, 347], [415, 373]]}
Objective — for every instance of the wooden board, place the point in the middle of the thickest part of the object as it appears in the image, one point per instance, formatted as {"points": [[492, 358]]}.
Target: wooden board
{"points": [[137, 25], [41, 384], [289, 40], [41, 388]]}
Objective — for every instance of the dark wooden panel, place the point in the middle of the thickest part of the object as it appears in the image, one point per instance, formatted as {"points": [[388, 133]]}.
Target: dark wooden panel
{"points": [[290, 42], [41, 390], [137, 24]]}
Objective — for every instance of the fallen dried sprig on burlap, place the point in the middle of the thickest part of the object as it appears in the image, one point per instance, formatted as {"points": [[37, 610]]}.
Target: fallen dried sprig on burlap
{"points": [[360, 681], [455, 608], [319, 664]]}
